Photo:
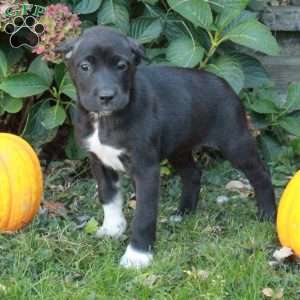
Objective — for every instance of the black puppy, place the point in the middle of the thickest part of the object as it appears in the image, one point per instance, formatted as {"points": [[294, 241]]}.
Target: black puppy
{"points": [[131, 117]]}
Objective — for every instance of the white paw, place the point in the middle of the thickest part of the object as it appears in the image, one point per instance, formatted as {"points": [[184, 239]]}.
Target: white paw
{"points": [[112, 229], [134, 259]]}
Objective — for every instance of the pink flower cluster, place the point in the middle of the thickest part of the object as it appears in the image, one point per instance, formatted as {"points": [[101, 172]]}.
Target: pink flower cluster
{"points": [[60, 24]]}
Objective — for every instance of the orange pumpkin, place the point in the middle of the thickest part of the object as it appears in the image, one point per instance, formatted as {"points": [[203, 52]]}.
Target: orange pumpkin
{"points": [[288, 218], [21, 183]]}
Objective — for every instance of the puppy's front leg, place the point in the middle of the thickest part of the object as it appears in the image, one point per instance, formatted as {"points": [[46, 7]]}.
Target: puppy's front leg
{"points": [[114, 223], [139, 252]]}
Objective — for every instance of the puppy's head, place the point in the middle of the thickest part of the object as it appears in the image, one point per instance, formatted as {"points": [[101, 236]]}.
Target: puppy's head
{"points": [[102, 64]]}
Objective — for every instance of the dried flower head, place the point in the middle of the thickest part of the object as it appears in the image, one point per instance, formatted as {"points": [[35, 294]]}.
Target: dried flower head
{"points": [[59, 23]]}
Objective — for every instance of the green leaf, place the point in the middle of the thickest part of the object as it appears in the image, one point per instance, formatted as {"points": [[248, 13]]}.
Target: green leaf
{"points": [[87, 6], [269, 92], [255, 74], [154, 11], [293, 99], [263, 106], [254, 35], [174, 26], [59, 73], [3, 65], [91, 226], [243, 17], [145, 29], [10, 104], [270, 147], [185, 52], [196, 11], [291, 125], [156, 55], [13, 55], [259, 121], [165, 170], [53, 117], [41, 69], [221, 5], [226, 17], [35, 132], [114, 12], [23, 85], [67, 87], [296, 145], [229, 69]]}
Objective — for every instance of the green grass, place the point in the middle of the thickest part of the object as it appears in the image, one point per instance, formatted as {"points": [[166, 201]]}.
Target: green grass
{"points": [[222, 252]]}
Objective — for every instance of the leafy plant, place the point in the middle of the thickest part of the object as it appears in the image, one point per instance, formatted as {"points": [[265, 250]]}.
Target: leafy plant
{"points": [[212, 35], [277, 120]]}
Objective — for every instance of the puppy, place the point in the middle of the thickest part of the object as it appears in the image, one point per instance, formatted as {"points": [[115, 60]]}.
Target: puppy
{"points": [[130, 117]]}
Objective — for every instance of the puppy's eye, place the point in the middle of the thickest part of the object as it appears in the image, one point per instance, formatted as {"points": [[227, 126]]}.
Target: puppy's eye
{"points": [[122, 65], [85, 67]]}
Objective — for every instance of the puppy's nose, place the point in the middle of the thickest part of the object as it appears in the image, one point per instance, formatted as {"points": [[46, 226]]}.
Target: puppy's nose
{"points": [[106, 95]]}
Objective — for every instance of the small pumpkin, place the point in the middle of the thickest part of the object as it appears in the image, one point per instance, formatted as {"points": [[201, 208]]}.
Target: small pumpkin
{"points": [[288, 218], [21, 183]]}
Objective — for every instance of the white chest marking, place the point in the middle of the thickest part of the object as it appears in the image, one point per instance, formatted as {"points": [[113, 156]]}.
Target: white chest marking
{"points": [[108, 155]]}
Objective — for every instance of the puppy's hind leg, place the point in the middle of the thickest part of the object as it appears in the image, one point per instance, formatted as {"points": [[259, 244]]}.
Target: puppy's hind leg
{"points": [[243, 155], [190, 175]]}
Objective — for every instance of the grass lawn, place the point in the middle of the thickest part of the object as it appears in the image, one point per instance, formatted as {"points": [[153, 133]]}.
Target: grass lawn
{"points": [[222, 252]]}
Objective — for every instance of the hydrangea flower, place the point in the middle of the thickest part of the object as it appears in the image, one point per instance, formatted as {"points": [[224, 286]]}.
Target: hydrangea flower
{"points": [[60, 24]]}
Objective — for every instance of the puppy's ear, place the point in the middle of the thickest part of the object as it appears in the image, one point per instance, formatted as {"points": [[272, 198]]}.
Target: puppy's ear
{"points": [[67, 47], [137, 50]]}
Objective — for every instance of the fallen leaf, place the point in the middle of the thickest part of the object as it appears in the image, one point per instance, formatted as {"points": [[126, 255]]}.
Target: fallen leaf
{"points": [[132, 204], [203, 274], [132, 201], [3, 288], [56, 187], [132, 196], [234, 185], [197, 274], [268, 292], [273, 263], [147, 280], [91, 226], [55, 208], [163, 220], [243, 188], [283, 253], [213, 229], [222, 199], [176, 219]]}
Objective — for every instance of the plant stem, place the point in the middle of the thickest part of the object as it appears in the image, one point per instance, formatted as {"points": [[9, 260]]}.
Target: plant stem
{"points": [[24, 117], [216, 41]]}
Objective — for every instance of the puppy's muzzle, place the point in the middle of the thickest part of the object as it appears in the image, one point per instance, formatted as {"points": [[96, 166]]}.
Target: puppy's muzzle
{"points": [[106, 96]]}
